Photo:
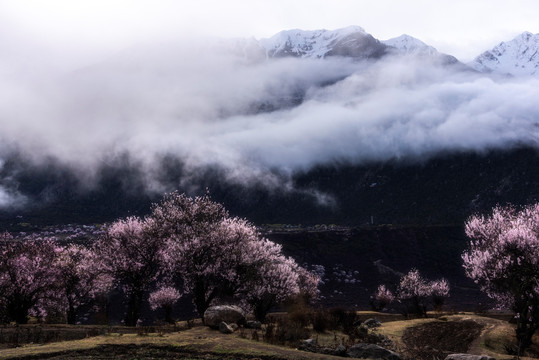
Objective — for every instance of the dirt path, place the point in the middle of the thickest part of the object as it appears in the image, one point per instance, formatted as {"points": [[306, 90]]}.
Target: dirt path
{"points": [[493, 337]]}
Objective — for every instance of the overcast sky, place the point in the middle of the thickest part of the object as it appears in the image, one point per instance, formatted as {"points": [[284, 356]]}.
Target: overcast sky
{"points": [[72, 32]]}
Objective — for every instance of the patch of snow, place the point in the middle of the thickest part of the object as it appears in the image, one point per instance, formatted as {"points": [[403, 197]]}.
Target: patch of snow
{"points": [[410, 45]]}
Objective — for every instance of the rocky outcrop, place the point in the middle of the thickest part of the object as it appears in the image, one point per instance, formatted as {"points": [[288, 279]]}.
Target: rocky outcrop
{"points": [[371, 351], [468, 357], [229, 314], [359, 351]]}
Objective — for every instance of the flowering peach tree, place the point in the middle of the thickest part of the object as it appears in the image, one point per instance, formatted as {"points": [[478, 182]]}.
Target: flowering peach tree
{"points": [[27, 277], [503, 258], [79, 279], [414, 290], [439, 292], [382, 297], [217, 256], [133, 258]]}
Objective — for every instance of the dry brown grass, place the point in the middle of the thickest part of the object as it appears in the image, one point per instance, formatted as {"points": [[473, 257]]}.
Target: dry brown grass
{"points": [[199, 342]]}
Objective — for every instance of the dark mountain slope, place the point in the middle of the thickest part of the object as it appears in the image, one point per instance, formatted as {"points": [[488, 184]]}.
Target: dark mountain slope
{"points": [[375, 255], [443, 190]]}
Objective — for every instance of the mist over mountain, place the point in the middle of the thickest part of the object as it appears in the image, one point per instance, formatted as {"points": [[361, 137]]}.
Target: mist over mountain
{"points": [[264, 124]]}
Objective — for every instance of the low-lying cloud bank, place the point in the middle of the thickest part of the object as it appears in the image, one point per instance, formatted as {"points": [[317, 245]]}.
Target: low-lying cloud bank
{"points": [[253, 117]]}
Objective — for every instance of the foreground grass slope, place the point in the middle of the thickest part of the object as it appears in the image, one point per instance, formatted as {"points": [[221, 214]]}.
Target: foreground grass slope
{"points": [[479, 334], [198, 342]]}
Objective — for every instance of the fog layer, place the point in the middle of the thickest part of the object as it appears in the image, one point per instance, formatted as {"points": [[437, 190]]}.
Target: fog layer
{"points": [[215, 105]]}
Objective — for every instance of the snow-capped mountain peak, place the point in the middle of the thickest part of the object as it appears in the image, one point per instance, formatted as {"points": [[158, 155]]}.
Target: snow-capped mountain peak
{"points": [[517, 57], [349, 41], [410, 45]]}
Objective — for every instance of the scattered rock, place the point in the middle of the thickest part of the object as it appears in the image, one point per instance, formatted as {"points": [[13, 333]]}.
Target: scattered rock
{"points": [[229, 314], [253, 325], [338, 351], [225, 328], [308, 345], [468, 357], [371, 351], [371, 323]]}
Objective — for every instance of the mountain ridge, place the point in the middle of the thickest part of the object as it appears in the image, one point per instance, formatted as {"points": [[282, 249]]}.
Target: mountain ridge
{"points": [[517, 57]]}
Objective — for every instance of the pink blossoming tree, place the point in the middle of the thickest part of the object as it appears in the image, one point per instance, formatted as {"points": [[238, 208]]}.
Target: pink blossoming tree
{"points": [[439, 292], [382, 297], [80, 279], [414, 291], [503, 258], [274, 278], [133, 258], [218, 256], [27, 277]]}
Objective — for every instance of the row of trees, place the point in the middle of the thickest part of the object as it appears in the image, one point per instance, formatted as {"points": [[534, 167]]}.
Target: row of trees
{"points": [[192, 245], [414, 293], [185, 246]]}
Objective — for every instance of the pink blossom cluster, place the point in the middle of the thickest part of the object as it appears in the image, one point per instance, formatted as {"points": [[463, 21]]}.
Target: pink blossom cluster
{"points": [[412, 285], [440, 288], [164, 297]]}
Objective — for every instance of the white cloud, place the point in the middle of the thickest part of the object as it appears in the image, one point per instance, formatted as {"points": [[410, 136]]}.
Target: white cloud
{"points": [[202, 108]]}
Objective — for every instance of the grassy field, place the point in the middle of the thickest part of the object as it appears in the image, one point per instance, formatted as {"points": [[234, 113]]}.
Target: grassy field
{"points": [[438, 336]]}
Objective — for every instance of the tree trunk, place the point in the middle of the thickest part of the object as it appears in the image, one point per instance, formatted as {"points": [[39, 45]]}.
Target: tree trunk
{"points": [[71, 315], [17, 310], [526, 325], [262, 307], [199, 298], [134, 308], [168, 314], [524, 332]]}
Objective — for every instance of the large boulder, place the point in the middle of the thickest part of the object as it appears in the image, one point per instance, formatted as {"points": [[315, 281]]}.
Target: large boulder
{"points": [[468, 357], [371, 351], [229, 314]]}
